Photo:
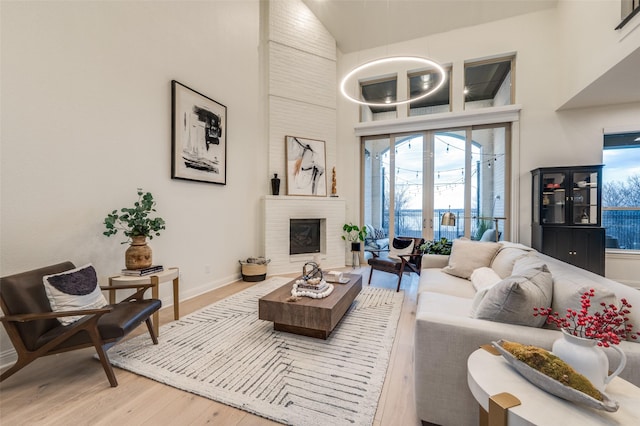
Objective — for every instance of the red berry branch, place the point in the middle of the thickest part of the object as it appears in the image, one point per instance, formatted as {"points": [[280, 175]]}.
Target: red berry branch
{"points": [[608, 327]]}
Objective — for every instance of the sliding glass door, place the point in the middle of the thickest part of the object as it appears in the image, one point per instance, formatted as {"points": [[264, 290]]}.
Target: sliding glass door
{"points": [[411, 180]]}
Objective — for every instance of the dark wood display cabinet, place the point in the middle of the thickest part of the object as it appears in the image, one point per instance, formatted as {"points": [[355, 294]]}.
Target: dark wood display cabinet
{"points": [[566, 212]]}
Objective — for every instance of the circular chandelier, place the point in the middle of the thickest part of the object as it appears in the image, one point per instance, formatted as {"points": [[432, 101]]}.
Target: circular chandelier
{"points": [[422, 61]]}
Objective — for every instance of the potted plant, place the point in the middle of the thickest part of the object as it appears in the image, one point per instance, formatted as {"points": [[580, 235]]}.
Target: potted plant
{"points": [[136, 224], [441, 246], [354, 234]]}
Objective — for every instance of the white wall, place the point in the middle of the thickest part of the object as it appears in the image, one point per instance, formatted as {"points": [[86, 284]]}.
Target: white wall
{"points": [[86, 110], [589, 44], [547, 137]]}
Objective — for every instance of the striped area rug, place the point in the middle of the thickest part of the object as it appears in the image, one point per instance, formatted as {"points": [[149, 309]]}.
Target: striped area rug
{"points": [[225, 353]]}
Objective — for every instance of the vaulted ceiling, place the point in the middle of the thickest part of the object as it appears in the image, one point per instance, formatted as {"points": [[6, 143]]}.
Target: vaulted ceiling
{"points": [[363, 24]]}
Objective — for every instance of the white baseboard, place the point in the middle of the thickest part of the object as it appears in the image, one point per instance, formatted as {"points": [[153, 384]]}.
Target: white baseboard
{"points": [[8, 357]]}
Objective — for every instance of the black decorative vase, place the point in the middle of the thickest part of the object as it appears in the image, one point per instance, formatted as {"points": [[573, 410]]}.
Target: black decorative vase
{"points": [[275, 184]]}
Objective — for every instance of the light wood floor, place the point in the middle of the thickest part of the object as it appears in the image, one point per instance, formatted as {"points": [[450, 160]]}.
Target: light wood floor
{"points": [[72, 389]]}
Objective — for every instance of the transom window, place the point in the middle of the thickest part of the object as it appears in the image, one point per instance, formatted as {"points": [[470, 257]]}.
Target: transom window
{"points": [[488, 83]]}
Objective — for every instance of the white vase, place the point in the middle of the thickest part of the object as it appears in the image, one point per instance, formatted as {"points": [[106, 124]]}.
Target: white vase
{"points": [[587, 358]]}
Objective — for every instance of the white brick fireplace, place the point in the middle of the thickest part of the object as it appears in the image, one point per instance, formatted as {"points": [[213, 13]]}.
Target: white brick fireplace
{"points": [[279, 210]]}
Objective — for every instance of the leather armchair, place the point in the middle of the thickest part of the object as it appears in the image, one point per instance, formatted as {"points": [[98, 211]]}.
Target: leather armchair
{"points": [[35, 331], [404, 263]]}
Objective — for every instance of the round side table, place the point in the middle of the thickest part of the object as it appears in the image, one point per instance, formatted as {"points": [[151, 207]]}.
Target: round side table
{"points": [[170, 274], [489, 375]]}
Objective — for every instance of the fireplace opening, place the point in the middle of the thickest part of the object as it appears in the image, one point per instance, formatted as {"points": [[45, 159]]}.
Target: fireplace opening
{"points": [[304, 236]]}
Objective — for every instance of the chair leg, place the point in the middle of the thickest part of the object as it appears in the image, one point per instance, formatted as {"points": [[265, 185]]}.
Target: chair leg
{"points": [[20, 363], [370, 274], [151, 332], [104, 359], [400, 275]]}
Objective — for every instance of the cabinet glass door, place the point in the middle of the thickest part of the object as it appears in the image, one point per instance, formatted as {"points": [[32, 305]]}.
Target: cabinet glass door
{"points": [[585, 198], [554, 198]]}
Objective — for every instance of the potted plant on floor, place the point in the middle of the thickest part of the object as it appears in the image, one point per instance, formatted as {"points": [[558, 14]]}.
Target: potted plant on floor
{"points": [[137, 225], [437, 247], [354, 234]]}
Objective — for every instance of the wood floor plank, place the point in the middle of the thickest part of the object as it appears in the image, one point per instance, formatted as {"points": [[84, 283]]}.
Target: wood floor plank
{"points": [[72, 388]]}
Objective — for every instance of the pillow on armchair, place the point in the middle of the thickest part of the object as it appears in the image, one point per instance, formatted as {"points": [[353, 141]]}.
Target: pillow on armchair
{"points": [[400, 247], [73, 290]]}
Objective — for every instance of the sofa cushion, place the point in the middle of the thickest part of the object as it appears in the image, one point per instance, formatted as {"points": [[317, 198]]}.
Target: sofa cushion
{"points": [[73, 290], [467, 256], [512, 300], [433, 280], [507, 255], [568, 290], [446, 304]]}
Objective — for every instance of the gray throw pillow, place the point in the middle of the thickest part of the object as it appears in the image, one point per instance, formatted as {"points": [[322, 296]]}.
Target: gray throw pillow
{"points": [[512, 300]]}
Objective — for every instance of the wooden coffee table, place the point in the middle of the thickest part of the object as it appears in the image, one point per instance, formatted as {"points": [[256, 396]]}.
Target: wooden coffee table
{"points": [[307, 316]]}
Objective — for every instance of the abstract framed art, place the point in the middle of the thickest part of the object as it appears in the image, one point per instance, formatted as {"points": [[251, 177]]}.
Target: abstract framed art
{"points": [[198, 136], [306, 165]]}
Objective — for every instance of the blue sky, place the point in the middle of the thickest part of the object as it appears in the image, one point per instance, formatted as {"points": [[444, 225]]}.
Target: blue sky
{"points": [[620, 164]]}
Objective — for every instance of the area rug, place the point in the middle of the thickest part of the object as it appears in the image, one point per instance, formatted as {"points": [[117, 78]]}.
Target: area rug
{"points": [[225, 353]]}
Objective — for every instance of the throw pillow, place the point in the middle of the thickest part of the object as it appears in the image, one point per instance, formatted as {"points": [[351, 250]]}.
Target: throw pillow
{"points": [[502, 264], [73, 290], [379, 233], [489, 235], [530, 261], [400, 246], [467, 256], [512, 300], [482, 279], [370, 237]]}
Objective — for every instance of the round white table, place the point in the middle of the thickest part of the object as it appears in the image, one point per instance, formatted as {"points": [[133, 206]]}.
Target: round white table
{"points": [[489, 375]]}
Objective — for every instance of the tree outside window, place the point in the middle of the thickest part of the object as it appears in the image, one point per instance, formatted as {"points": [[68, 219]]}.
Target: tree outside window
{"points": [[621, 190]]}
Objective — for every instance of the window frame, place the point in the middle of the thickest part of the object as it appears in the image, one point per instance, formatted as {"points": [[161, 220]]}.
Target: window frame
{"points": [[486, 61], [613, 145]]}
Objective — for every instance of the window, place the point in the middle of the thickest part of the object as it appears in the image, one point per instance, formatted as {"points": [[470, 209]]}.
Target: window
{"points": [[488, 83], [440, 101], [629, 9], [382, 90], [410, 180], [621, 190]]}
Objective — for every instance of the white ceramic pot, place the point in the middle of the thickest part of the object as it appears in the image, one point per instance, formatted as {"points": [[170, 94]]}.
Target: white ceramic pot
{"points": [[587, 358]]}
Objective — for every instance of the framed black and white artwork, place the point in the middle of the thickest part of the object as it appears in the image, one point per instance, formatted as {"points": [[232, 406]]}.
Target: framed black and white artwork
{"points": [[306, 167], [198, 141]]}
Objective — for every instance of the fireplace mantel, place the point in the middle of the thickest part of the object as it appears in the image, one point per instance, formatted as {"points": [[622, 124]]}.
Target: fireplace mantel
{"points": [[278, 210]]}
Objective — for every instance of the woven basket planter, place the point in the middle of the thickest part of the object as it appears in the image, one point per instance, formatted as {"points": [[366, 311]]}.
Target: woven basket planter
{"points": [[252, 271]]}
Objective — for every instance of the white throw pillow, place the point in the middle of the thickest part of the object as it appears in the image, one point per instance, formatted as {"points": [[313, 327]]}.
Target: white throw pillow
{"points": [[467, 256], [73, 290], [400, 247], [483, 278]]}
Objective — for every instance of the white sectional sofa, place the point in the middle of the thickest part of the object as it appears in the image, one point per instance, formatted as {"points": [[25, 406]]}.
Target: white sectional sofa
{"points": [[446, 333]]}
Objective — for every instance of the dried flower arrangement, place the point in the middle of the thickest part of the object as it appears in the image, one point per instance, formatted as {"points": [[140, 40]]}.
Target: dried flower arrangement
{"points": [[607, 327]]}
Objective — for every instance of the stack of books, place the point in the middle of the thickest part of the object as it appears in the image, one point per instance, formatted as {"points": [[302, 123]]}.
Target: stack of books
{"points": [[319, 288], [153, 269]]}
